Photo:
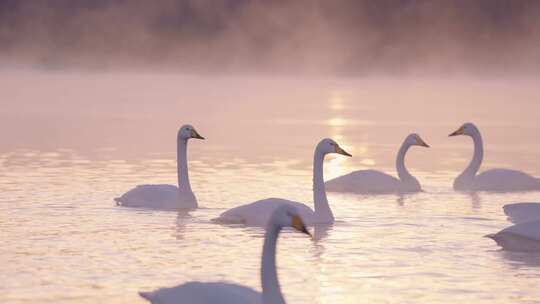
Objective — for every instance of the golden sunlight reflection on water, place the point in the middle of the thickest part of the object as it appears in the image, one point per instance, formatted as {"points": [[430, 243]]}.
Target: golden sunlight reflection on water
{"points": [[64, 240]]}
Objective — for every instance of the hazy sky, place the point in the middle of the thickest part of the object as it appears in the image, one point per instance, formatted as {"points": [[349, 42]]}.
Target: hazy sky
{"points": [[297, 36]]}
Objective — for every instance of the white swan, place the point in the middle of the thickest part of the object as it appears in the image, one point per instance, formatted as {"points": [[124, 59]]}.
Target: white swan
{"points": [[227, 293], [522, 212], [258, 213], [377, 182], [167, 196], [497, 180], [519, 237]]}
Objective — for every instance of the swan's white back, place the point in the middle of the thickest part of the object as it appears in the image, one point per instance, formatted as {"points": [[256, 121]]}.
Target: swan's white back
{"points": [[519, 237], [258, 213], [164, 197], [522, 212], [204, 293], [503, 180], [369, 182]]}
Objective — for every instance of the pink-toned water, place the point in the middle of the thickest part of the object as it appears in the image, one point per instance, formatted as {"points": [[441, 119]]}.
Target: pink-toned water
{"points": [[71, 141]]}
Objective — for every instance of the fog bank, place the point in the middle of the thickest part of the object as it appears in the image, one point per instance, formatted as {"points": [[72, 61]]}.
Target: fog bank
{"points": [[298, 36]]}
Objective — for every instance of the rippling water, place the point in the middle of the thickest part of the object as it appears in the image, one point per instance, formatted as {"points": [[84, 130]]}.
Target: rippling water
{"points": [[77, 141]]}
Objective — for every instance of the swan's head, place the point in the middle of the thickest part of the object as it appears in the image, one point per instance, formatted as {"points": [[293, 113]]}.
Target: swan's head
{"points": [[415, 140], [328, 145], [288, 216], [187, 132], [468, 129]]}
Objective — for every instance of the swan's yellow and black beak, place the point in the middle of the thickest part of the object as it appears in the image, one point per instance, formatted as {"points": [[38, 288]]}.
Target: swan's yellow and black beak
{"points": [[299, 225], [459, 131], [421, 142], [196, 135], [339, 150]]}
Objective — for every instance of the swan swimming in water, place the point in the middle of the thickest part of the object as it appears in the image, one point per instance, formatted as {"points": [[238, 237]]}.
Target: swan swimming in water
{"points": [[258, 213], [522, 212], [519, 237], [376, 182], [228, 293], [167, 196], [496, 180]]}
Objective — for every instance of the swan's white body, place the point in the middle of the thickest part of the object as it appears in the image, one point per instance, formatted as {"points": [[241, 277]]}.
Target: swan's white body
{"points": [[495, 180], [167, 197], [377, 182], [258, 213], [228, 293], [158, 197], [204, 293], [519, 237], [522, 212]]}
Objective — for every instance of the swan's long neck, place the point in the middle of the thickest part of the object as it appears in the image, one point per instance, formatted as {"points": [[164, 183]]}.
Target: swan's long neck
{"points": [[271, 292], [181, 158], [403, 173], [322, 209], [475, 163]]}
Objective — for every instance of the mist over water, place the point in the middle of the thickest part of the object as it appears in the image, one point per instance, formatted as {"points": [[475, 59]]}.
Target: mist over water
{"points": [[136, 115], [343, 37], [92, 94]]}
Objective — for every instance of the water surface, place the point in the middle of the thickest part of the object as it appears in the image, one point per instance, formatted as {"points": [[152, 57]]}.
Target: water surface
{"points": [[71, 142]]}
